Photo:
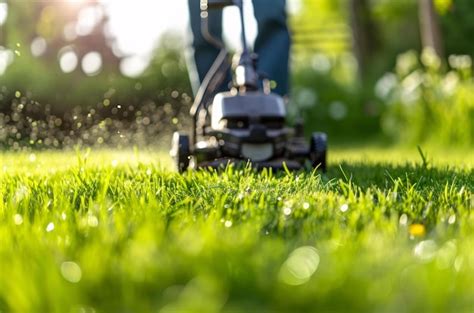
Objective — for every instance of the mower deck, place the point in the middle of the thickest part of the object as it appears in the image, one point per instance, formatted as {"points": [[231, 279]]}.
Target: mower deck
{"points": [[276, 165]]}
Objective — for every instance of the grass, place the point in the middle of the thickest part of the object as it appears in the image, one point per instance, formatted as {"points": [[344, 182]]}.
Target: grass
{"points": [[108, 231]]}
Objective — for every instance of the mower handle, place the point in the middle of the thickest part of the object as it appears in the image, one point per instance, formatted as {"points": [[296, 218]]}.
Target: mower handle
{"points": [[207, 5], [216, 4]]}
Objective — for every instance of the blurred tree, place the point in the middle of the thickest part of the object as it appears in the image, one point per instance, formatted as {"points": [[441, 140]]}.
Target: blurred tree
{"points": [[429, 27], [364, 34], [457, 24], [395, 18], [50, 28], [82, 29], [338, 28], [320, 26]]}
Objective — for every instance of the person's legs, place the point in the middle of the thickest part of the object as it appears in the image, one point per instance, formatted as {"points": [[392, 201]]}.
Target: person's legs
{"points": [[204, 53], [273, 42]]}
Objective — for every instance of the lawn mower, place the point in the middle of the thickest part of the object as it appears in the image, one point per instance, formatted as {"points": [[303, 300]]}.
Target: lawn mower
{"points": [[247, 123]]}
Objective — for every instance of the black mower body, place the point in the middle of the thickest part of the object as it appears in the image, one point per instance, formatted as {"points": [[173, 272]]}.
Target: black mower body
{"points": [[246, 124]]}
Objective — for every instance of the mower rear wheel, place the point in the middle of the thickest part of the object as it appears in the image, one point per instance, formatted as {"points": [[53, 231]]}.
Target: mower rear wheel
{"points": [[319, 146], [180, 151]]}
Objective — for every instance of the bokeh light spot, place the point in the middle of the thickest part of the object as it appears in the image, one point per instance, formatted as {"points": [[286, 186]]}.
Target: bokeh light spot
{"points": [[133, 66], [50, 227], [300, 266], [68, 60], [92, 63], [337, 110], [18, 219], [71, 272], [3, 12], [6, 58], [38, 46]]}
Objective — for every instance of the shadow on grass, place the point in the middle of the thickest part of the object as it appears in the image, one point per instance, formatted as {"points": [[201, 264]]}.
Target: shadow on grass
{"points": [[384, 175]]}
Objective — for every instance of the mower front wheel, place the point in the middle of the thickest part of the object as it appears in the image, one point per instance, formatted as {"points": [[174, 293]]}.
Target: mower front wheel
{"points": [[180, 151], [319, 146]]}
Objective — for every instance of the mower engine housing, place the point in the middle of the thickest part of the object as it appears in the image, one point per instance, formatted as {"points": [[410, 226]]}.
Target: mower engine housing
{"points": [[249, 125]]}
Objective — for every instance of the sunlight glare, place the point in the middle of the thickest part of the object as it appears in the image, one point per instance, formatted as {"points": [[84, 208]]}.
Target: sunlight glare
{"points": [[138, 27], [75, 2], [88, 19], [3, 12]]}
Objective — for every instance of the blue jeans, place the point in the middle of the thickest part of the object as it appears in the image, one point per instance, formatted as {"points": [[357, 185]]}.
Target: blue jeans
{"points": [[272, 43]]}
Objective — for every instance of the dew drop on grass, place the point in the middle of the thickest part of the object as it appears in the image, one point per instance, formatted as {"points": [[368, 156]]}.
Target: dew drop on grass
{"points": [[344, 208], [17, 94], [287, 211], [20, 193], [452, 219], [403, 220], [92, 221], [32, 157], [50, 227], [18, 219], [228, 224], [149, 172], [306, 205], [71, 272]]}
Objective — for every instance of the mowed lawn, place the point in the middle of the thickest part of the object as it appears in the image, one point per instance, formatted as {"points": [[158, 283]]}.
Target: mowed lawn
{"points": [[385, 230]]}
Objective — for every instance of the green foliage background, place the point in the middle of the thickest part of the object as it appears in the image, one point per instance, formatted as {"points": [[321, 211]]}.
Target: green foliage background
{"points": [[326, 88]]}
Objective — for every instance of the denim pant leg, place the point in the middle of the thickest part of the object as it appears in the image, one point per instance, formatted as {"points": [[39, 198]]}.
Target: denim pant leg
{"points": [[273, 42], [204, 53]]}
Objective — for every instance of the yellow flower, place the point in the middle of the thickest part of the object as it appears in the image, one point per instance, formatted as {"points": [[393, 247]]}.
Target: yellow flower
{"points": [[417, 230]]}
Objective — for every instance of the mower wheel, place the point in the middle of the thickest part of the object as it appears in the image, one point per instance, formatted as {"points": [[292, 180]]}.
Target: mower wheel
{"points": [[319, 146], [180, 151]]}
